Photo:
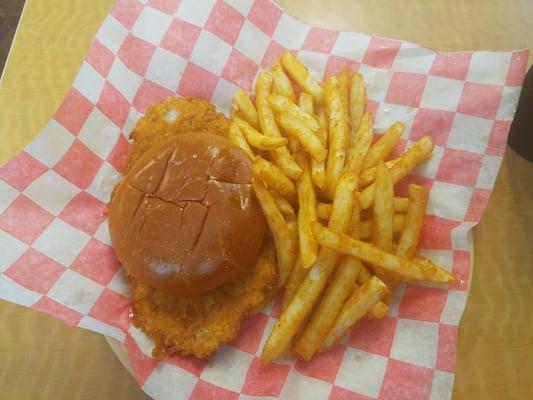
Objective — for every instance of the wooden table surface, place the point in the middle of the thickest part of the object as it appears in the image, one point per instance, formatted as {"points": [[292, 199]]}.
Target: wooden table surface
{"points": [[41, 358]]}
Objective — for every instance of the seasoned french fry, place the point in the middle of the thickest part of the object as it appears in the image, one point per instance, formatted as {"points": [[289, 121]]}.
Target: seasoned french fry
{"points": [[281, 83], [281, 156], [306, 214], [257, 139], [246, 108], [312, 286], [382, 228], [323, 210], [359, 146], [384, 146], [400, 204], [281, 104], [365, 229], [336, 293], [343, 79], [378, 310], [338, 134], [308, 139], [300, 74], [357, 103], [354, 309], [236, 137], [383, 210], [283, 204], [413, 222], [296, 277], [274, 178], [364, 275], [305, 102], [283, 235], [420, 151], [367, 177], [318, 169], [411, 269]]}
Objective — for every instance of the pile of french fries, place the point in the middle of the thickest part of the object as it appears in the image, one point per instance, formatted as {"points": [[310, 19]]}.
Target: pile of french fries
{"points": [[343, 239]]}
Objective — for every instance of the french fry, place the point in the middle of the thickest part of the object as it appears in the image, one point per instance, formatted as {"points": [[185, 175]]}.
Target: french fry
{"points": [[323, 210], [281, 104], [354, 309], [257, 139], [365, 229], [246, 108], [343, 80], [283, 204], [283, 235], [274, 178], [281, 156], [382, 228], [413, 222], [308, 139], [305, 102], [306, 214], [318, 169], [367, 177], [357, 103], [415, 269], [420, 151], [281, 83], [300, 74], [359, 146], [296, 277], [383, 210], [378, 310], [337, 291], [236, 137], [337, 133], [312, 286], [384, 146], [400, 204]]}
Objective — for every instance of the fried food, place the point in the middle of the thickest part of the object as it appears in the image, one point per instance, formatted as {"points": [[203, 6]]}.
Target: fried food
{"points": [[197, 325]]}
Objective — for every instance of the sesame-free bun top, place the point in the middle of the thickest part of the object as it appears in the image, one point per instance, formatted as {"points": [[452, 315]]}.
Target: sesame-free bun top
{"points": [[185, 218]]}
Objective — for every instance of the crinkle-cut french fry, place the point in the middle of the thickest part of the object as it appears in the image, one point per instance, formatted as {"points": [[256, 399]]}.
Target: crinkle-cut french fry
{"points": [[257, 139], [281, 156], [300, 307], [338, 134], [367, 177], [354, 309], [413, 222], [365, 229], [420, 151], [337, 291], [246, 108], [274, 178], [281, 83], [281, 104], [308, 139], [300, 74], [415, 269], [283, 204], [296, 277], [237, 138], [306, 214], [358, 147], [384, 146], [284, 236], [357, 103]]}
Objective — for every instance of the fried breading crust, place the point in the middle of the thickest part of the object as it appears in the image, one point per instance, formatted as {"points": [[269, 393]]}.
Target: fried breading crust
{"points": [[195, 326]]}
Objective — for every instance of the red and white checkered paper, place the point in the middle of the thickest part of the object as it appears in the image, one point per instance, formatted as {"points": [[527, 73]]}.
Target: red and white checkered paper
{"points": [[56, 254]]}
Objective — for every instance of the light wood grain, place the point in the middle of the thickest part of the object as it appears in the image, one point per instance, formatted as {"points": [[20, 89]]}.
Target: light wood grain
{"points": [[41, 358]]}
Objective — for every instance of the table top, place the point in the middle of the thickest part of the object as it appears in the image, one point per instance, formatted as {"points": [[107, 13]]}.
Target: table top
{"points": [[43, 358]]}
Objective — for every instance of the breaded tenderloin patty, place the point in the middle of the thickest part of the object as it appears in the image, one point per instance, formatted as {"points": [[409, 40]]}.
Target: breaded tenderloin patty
{"points": [[200, 325]]}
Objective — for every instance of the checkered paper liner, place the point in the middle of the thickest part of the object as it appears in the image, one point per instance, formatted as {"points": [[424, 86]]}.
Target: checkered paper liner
{"points": [[55, 251]]}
